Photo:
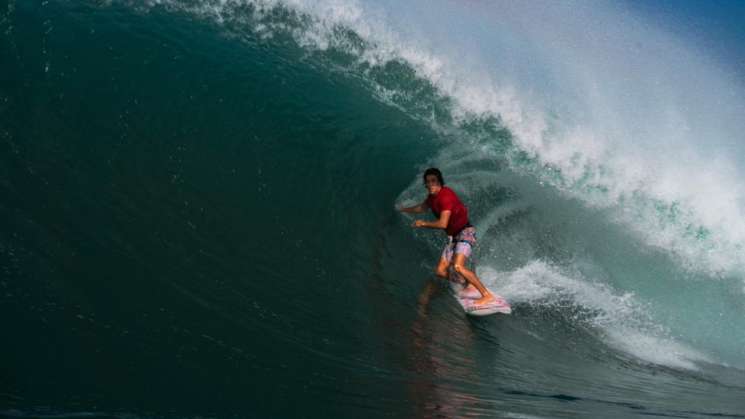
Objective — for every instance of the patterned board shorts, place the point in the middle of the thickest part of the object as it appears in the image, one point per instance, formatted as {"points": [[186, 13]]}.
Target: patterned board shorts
{"points": [[462, 243]]}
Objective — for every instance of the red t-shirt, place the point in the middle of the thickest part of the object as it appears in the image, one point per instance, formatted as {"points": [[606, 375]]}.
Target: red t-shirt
{"points": [[447, 200]]}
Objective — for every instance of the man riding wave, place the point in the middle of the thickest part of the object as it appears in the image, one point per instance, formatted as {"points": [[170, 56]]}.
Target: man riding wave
{"points": [[452, 216]]}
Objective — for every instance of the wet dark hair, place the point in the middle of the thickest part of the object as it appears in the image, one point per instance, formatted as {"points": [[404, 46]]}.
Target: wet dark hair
{"points": [[433, 171]]}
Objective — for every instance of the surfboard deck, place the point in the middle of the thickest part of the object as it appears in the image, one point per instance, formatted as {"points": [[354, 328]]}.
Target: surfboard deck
{"points": [[467, 295]]}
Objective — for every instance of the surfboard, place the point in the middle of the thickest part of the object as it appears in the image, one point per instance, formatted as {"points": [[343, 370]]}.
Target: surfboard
{"points": [[467, 294]]}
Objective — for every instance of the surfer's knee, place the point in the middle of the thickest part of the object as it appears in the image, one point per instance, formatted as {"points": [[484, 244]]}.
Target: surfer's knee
{"points": [[458, 267]]}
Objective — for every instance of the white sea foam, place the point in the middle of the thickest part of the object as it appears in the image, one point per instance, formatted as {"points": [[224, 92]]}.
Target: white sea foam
{"points": [[620, 318]]}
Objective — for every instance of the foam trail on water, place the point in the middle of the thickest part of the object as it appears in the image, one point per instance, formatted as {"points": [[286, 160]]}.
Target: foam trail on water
{"points": [[620, 317]]}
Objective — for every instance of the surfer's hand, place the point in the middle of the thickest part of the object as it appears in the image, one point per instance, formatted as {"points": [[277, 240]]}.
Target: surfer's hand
{"points": [[418, 223]]}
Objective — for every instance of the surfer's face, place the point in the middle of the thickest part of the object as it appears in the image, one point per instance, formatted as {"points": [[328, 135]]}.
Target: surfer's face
{"points": [[432, 184]]}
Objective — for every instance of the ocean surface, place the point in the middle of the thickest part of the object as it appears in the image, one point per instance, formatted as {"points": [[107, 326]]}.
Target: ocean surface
{"points": [[198, 209]]}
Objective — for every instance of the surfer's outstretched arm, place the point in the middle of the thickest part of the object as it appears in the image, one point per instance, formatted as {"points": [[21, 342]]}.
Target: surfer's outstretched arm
{"points": [[442, 223], [416, 209]]}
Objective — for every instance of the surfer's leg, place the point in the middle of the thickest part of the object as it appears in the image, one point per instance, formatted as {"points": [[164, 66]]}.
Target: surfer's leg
{"points": [[442, 268], [445, 258], [459, 265]]}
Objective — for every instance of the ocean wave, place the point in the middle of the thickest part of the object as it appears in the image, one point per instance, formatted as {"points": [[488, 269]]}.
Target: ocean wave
{"points": [[620, 318], [626, 132], [617, 132]]}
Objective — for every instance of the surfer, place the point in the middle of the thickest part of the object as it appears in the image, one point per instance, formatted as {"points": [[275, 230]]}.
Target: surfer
{"points": [[452, 216]]}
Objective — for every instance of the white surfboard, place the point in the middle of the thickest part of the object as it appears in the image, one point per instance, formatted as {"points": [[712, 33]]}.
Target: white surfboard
{"points": [[467, 295]]}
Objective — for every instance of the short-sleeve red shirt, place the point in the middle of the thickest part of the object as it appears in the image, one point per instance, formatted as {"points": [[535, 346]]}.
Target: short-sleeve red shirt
{"points": [[447, 200]]}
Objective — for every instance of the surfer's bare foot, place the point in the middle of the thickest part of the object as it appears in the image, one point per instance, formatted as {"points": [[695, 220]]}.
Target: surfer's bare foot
{"points": [[488, 298]]}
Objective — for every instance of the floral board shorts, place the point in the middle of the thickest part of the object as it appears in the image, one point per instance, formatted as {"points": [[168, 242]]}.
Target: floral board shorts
{"points": [[462, 243]]}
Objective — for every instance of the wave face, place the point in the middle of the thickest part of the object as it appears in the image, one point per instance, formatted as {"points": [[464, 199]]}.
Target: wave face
{"points": [[198, 198]]}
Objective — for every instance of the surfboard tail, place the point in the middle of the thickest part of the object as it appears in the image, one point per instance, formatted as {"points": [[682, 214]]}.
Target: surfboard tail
{"points": [[498, 306], [467, 295]]}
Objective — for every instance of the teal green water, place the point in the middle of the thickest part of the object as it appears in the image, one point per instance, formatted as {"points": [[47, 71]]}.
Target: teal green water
{"points": [[198, 221]]}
